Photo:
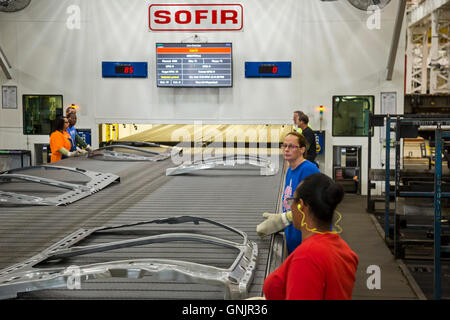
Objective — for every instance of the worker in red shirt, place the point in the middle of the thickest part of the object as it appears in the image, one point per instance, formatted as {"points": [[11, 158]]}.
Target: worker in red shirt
{"points": [[323, 267]]}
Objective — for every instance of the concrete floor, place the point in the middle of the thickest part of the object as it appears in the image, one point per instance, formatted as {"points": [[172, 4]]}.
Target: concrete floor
{"points": [[360, 232]]}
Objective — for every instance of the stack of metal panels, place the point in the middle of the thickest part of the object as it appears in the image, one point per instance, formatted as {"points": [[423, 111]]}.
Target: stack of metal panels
{"points": [[233, 197]]}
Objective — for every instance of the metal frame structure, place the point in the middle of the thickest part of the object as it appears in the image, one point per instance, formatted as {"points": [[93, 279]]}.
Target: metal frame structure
{"points": [[97, 182], [417, 56], [267, 168], [5, 65], [428, 67], [395, 39], [277, 248], [416, 120], [105, 153], [25, 277], [439, 54]]}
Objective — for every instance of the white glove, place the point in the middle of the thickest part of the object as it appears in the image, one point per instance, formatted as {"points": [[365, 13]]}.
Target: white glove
{"points": [[67, 153], [81, 152], [73, 154], [274, 222]]}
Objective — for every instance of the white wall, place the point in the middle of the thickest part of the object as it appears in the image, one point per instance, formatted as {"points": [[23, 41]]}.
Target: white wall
{"points": [[331, 49]]}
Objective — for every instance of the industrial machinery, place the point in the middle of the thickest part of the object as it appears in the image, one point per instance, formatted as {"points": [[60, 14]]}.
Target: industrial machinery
{"points": [[347, 167], [12, 159], [42, 153], [414, 228]]}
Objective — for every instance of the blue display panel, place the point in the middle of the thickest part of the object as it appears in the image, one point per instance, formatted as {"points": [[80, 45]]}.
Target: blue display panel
{"points": [[124, 69], [280, 69]]}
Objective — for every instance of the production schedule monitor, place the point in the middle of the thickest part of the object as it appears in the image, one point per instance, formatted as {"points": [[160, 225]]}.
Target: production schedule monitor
{"points": [[194, 65]]}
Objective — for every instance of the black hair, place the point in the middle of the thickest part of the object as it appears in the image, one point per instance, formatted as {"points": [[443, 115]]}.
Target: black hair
{"points": [[298, 112], [70, 110], [321, 194], [70, 114], [304, 118], [58, 123]]}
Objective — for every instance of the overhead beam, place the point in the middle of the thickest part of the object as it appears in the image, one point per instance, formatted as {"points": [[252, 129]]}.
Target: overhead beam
{"points": [[395, 38], [423, 11], [4, 64]]}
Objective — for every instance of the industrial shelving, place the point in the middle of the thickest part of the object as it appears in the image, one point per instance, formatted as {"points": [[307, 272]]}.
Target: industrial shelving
{"points": [[406, 126]]}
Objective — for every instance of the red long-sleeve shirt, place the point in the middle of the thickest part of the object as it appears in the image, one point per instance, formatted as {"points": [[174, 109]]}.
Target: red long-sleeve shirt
{"points": [[323, 267]]}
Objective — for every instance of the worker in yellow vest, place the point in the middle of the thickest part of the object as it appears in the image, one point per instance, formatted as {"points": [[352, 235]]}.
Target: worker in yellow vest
{"points": [[301, 122], [296, 118]]}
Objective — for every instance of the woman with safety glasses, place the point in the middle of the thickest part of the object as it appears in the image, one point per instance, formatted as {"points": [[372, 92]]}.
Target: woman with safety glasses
{"points": [[323, 267], [60, 141], [294, 149]]}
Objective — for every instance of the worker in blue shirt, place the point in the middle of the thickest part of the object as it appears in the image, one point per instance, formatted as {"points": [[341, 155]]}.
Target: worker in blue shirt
{"points": [[77, 142], [294, 149]]}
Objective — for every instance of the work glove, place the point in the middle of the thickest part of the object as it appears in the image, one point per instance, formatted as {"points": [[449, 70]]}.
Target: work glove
{"points": [[68, 153], [73, 154], [81, 152], [274, 222]]}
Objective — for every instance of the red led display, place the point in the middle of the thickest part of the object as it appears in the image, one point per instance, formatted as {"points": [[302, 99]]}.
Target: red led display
{"points": [[124, 70], [268, 68]]}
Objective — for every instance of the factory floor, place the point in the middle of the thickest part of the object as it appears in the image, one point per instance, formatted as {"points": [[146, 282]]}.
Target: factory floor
{"points": [[361, 234], [145, 192], [418, 258]]}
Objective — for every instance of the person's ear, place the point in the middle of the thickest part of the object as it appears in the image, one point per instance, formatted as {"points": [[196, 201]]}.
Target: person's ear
{"points": [[304, 207], [301, 203]]}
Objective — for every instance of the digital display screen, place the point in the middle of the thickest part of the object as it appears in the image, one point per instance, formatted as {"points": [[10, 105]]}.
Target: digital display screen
{"points": [[124, 69], [194, 65], [268, 68]]}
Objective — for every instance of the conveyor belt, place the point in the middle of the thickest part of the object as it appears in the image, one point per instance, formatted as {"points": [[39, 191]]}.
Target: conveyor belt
{"points": [[237, 198]]}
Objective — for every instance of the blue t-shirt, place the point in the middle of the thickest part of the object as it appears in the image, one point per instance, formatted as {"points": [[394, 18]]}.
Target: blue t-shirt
{"points": [[293, 179], [72, 132]]}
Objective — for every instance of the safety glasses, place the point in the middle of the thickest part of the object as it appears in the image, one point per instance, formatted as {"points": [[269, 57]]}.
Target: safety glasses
{"points": [[289, 146]]}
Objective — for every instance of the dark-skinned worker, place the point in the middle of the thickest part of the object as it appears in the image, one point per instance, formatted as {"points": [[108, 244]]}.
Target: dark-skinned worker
{"points": [[323, 267], [78, 143], [60, 144]]}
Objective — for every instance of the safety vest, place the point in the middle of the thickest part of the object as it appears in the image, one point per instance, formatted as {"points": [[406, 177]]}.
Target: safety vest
{"points": [[299, 130]]}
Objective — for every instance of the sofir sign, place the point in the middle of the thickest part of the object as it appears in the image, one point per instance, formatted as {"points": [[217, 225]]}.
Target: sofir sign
{"points": [[196, 17]]}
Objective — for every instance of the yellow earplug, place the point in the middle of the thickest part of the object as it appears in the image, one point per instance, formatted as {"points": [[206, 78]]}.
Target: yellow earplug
{"points": [[303, 223]]}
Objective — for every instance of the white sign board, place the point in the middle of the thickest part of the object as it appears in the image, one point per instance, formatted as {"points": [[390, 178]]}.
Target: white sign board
{"points": [[9, 97], [388, 106]]}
